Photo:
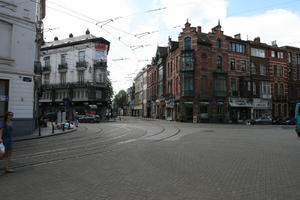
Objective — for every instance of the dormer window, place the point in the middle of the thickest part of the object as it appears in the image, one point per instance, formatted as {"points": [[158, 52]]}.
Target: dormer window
{"points": [[187, 43]]}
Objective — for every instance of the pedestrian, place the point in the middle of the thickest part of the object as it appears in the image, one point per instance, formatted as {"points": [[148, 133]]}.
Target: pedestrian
{"points": [[6, 129]]}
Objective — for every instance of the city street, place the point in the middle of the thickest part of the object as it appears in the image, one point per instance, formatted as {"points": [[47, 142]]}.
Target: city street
{"points": [[158, 160]]}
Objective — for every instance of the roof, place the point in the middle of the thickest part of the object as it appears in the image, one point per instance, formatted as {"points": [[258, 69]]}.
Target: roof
{"points": [[175, 45], [71, 41], [163, 51], [203, 39]]}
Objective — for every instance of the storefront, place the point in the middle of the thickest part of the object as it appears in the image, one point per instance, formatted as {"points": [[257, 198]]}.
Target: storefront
{"points": [[188, 111], [170, 112], [261, 108], [204, 111], [240, 109]]}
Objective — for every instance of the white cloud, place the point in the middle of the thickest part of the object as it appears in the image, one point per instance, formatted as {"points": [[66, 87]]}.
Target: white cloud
{"points": [[279, 25], [197, 11]]}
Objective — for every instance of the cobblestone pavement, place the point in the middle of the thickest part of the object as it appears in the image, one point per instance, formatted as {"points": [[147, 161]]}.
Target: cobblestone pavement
{"points": [[158, 160]]}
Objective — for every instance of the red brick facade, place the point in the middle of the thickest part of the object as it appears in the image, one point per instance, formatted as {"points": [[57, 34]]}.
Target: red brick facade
{"points": [[211, 77]]}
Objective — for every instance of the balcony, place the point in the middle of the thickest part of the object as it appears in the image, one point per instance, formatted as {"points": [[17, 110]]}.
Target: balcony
{"points": [[46, 69], [81, 65], [100, 64], [63, 67]]}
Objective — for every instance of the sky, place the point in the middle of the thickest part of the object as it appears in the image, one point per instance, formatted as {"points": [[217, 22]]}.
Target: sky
{"points": [[135, 28]]}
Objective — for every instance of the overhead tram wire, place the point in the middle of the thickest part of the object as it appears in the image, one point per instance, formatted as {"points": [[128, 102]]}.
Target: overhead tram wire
{"points": [[95, 25]]}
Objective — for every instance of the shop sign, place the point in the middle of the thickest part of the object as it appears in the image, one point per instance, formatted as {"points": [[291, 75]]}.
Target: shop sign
{"points": [[239, 102], [261, 104]]}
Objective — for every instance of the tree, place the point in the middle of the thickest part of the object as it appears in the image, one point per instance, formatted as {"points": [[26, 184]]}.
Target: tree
{"points": [[120, 99]]}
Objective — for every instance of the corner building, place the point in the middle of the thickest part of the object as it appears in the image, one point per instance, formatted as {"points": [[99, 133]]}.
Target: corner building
{"points": [[74, 75]]}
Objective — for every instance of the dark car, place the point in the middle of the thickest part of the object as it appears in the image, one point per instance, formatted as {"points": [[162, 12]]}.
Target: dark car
{"points": [[262, 120], [52, 116], [89, 118], [291, 121]]}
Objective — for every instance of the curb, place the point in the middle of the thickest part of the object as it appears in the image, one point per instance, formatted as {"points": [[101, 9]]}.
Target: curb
{"points": [[45, 136]]}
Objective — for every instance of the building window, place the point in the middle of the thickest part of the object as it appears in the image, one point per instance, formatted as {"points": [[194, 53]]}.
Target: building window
{"points": [[81, 56], [188, 61], [81, 76], [219, 43], [234, 88], [280, 71], [276, 89], [232, 64], [258, 52], [188, 83], [220, 109], [243, 66], [281, 90], [280, 55], [265, 89], [46, 79], [298, 74], [263, 69], [187, 43], [63, 58], [253, 68], [47, 61], [6, 39], [63, 77], [219, 62], [298, 58], [220, 85], [254, 88], [100, 55], [236, 47], [289, 57]]}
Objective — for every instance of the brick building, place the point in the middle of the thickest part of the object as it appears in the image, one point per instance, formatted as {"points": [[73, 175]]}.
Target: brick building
{"points": [[212, 77]]}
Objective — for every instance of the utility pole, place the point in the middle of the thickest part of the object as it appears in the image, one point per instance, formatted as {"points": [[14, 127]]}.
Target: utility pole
{"points": [[40, 14]]}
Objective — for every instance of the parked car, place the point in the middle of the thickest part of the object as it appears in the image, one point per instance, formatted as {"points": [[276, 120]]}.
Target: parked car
{"points": [[262, 120], [89, 118], [277, 121], [52, 116], [291, 121]]}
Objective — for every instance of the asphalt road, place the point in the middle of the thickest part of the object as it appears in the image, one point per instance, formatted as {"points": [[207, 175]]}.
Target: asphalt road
{"points": [[158, 160]]}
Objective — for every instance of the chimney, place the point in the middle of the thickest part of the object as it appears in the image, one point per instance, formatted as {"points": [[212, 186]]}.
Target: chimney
{"points": [[237, 36], [55, 38], [198, 30], [70, 35], [274, 44], [257, 40]]}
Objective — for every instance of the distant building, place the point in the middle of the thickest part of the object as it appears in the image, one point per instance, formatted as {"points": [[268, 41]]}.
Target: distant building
{"points": [[19, 33], [75, 75]]}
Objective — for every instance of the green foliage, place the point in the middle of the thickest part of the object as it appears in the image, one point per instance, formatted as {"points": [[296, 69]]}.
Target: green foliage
{"points": [[120, 99]]}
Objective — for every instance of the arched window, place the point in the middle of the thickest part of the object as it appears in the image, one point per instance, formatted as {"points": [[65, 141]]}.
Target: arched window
{"points": [[219, 43], [188, 43]]}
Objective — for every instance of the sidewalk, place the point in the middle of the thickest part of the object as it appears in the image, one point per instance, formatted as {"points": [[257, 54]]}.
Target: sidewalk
{"points": [[45, 132]]}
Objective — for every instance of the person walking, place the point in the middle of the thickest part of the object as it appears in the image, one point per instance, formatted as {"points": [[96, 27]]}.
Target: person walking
{"points": [[6, 129]]}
